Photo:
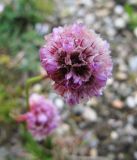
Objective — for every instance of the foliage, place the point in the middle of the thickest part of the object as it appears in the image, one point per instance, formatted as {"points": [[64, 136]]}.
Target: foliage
{"points": [[9, 90], [18, 29], [132, 13], [39, 152]]}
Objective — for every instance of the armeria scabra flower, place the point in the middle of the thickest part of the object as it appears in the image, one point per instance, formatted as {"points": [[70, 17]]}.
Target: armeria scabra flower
{"points": [[78, 61], [42, 118]]}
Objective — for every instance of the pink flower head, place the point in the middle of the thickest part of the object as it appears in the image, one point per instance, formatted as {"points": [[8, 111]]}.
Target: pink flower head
{"points": [[42, 118], [78, 61]]}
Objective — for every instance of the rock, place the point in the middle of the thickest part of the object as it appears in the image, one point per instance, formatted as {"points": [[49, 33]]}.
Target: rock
{"points": [[3, 153], [89, 114], [135, 155], [133, 63], [117, 103], [93, 102], [132, 2], [52, 96], [111, 31], [119, 10], [120, 23], [63, 129], [114, 135], [93, 153], [131, 102], [59, 103], [130, 130], [131, 119], [87, 3], [37, 88], [78, 110], [1, 7], [89, 19], [135, 31], [121, 76], [42, 28], [110, 81], [102, 13]]}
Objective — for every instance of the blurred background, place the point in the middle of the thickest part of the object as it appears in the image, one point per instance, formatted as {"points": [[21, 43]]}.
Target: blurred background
{"points": [[104, 128]]}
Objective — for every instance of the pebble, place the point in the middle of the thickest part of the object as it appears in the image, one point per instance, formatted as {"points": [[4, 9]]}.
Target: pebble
{"points": [[111, 32], [93, 153], [78, 110], [102, 13], [135, 155], [120, 23], [89, 19], [117, 103], [131, 102], [42, 28], [133, 63], [1, 7], [89, 114], [131, 119], [59, 103], [87, 3], [63, 129], [37, 88], [3, 153], [119, 10], [93, 102], [121, 76], [133, 2], [135, 31], [114, 135]]}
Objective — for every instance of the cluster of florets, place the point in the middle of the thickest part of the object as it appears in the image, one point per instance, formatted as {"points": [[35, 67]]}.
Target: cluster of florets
{"points": [[78, 61], [42, 117]]}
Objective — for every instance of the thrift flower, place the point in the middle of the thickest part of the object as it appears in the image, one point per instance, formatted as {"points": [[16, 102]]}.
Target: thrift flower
{"points": [[42, 118], [78, 61]]}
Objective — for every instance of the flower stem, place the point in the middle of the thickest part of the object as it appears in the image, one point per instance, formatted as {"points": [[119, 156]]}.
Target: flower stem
{"points": [[30, 82]]}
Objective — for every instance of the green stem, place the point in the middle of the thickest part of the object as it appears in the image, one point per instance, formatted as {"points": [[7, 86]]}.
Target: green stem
{"points": [[30, 82]]}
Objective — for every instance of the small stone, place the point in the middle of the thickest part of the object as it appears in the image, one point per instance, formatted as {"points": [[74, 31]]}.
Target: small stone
{"points": [[132, 2], [119, 23], [110, 82], [93, 153], [114, 135], [3, 153], [89, 19], [117, 103], [37, 88], [130, 130], [119, 10], [135, 155], [131, 119], [102, 13], [131, 102], [1, 7], [78, 110], [59, 103], [89, 114], [42, 28], [63, 129], [81, 12], [111, 32], [121, 76], [135, 31], [87, 3], [92, 102], [133, 63]]}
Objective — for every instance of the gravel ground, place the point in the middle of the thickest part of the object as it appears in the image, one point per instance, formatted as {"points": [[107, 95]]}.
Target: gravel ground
{"points": [[105, 128]]}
